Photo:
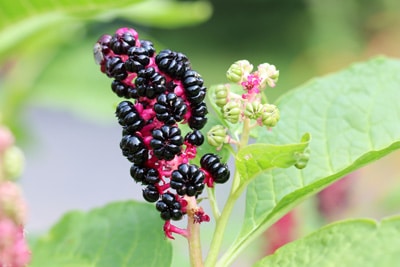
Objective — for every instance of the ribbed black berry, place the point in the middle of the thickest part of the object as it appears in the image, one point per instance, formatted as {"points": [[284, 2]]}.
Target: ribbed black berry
{"points": [[193, 84], [134, 149], [122, 90], [148, 45], [170, 108], [128, 117], [150, 193], [169, 207], [138, 59], [197, 122], [212, 164], [187, 180], [115, 68], [195, 138], [199, 110], [120, 43], [144, 175], [149, 83], [166, 142], [174, 64]]}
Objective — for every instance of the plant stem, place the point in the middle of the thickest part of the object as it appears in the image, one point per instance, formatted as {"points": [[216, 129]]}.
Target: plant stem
{"points": [[193, 228], [227, 210]]}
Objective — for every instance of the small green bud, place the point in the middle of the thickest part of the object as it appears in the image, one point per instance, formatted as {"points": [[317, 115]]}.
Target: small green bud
{"points": [[231, 112], [13, 161], [239, 70], [216, 135], [221, 95], [253, 110], [270, 115], [302, 159]]}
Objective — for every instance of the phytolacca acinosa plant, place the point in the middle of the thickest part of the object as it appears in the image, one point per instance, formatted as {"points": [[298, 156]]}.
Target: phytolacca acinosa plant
{"points": [[162, 92]]}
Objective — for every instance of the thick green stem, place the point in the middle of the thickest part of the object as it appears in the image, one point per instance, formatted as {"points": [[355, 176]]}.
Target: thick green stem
{"points": [[193, 228], [226, 212]]}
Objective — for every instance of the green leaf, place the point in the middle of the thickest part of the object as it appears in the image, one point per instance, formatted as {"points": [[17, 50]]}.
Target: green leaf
{"points": [[252, 160], [118, 234], [355, 243], [353, 116]]}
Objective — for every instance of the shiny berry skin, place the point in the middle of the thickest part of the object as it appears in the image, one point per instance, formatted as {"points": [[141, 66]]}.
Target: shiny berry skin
{"points": [[218, 171], [193, 84], [149, 83], [170, 108], [115, 68], [148, 45], [169, 207], [150, 193], [145, 175], [138, 173], [138, 59], [197, 122], [187, 180], [133, 149], [174, 64], [120, 43], [195, 138], [166, 142], [128, 117]]}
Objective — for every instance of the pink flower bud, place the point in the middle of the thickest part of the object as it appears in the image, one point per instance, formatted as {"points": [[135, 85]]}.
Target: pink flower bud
{"points": [[11, 203], [14, 250]]}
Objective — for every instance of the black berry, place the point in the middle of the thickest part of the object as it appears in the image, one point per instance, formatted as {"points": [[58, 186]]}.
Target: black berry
{"points": [[133, 149], [174, 64], [166, 142], [169, 207], [170, 108], [218, 171], [115, 68], [128, 117], [149, 83], [120, 43], [138, 59], [150, 193], [187, 180], [148, 46], [195, 138]]}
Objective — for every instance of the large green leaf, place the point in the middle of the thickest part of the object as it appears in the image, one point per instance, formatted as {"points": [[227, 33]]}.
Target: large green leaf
{"points": [[120, 234], [353, 243], [354, 118]]}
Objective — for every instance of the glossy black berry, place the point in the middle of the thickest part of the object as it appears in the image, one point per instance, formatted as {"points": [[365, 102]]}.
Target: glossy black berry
{"points": [[138, 59], [169, 207], [187, 180], [149, 83], [195, 138], [212, 164], [122, 90], [194, 89], [128, 117], [199, 110], [148, 45], [138, 173], [170, 108], [150, 193], [197, 122], [115, 68], [174, 64], [133, 149], [166, 142], [120, 43]]}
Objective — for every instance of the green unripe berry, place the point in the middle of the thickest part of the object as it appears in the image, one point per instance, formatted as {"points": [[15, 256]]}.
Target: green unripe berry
{"points": [[302, 159], [253, 110], [239, 70], [270, 115], [216, 135], [231, 112], [221, 95]]}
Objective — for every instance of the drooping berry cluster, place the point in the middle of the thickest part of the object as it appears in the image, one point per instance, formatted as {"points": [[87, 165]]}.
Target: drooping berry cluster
{"points": [[162, 91]]}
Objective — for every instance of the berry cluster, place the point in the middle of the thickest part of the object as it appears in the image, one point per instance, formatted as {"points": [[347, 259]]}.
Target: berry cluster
{"points": [[162, 91]]}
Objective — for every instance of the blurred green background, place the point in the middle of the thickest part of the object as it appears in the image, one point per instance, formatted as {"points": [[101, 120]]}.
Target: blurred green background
{"points": [[61, 107]]}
